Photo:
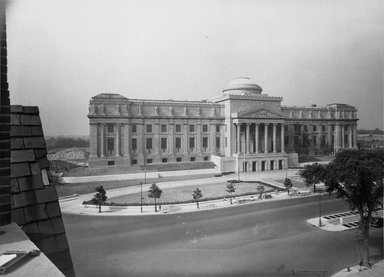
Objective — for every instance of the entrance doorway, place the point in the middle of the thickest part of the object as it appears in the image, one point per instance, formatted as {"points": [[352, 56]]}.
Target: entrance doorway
{"points": [[263, 166], [253, 166], [272, 164], [280, 164], [245, 165]]}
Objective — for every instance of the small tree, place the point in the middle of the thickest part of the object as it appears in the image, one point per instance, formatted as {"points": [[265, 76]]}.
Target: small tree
{"points": [[100, 197], [288, 184], [197, 194], [313, 174], [231, 189], [154, 192], [260, 190]]}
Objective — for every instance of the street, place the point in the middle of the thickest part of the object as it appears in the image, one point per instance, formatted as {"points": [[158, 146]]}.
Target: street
{"points": [[261, 239]]}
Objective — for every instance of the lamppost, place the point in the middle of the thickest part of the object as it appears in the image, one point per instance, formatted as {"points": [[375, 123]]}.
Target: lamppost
{"points": [[141, 196], [320, 224]]}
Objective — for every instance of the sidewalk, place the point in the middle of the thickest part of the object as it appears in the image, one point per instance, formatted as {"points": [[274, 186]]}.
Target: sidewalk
{"points": [[377, 270], [74, 204]]}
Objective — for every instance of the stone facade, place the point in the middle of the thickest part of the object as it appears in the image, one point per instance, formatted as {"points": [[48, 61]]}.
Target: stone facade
{"points": [[247, 129]]}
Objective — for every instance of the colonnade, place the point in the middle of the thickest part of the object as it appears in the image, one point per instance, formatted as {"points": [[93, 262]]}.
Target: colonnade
{"points": [[252, 141]]}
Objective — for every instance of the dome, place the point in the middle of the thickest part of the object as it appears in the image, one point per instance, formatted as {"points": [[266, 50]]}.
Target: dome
{"points": [[243, 85]]}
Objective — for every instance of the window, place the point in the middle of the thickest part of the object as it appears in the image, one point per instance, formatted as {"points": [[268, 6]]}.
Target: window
{"points": [[226, 142], [286, 128], [178, 160], [191, 143], [134, 162], [164, 160], [134, 144], [205, 128], [323, 128], [218, 128], [149, 144], [149, 128], [217, 142], [149, 161], [193, 159], [314, 128], [333, 128], [191, 128], [111, 162], [206, 158], [178, 143], [305, 128], [110, 145], [110, 128], [297, 128], [178, 128], [205, 142], [134, 128], [163, 128], [163, 143]]}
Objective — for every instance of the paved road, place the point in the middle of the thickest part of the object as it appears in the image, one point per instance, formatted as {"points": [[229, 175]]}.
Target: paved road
{"points": [[263, 239]]}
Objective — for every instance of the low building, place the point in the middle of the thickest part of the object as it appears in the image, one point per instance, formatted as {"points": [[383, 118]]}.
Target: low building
{"points": [[241, 129]]}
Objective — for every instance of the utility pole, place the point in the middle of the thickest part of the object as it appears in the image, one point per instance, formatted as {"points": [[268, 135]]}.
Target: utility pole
{"points": [[320, 224], [141, 197]]}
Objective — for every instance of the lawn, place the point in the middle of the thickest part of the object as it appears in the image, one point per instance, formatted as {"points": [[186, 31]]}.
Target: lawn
{"points": [[295, 183], [185, 193]]}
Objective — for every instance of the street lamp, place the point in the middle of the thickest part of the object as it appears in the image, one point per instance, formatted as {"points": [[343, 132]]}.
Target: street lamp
{"points": [[141, 196], [320, 224]]}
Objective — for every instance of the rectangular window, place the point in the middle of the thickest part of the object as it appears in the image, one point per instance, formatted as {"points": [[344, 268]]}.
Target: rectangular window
{"points": [[217, 142], [178, 128], [178, 160], [205, 128], [205, 142], [205, 158], [149, 161], [111, 144], [323, 128], [111, 162], [110, 128], [314, 128], [305, 128], [163, 128], [226, 142], [193, 159], [149, 144], [191, 142], [333, 128], [149, 128], [178, 143], [218, 127], [163, 143], [164, 160], [286, 128], [134, 128], [191, 128], [134, 162], [134, 143]]}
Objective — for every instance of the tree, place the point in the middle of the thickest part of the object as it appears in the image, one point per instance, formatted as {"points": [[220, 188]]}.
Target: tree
{"points": [[288, 184], [154, 192], [313, 174], [357, 177], [100, 197], [260, 190], [231, 189], [197, 194]]}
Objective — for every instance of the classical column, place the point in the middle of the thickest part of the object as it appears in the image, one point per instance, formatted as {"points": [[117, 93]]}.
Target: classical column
{"points": [[212, 138], [274, 137], [329, 135], [282, 137], [198, 137], [342, 135], [102, 140], [93, 141], [265, 137], [171, 138], [141, 141], [337, 137], [156, 139], [350, 136], [238, 137], [354, 136], [185, 138], [257, 138], [247, 139], [127, 140], [117, 140]]}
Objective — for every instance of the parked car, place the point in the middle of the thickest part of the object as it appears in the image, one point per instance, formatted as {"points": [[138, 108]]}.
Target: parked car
{"points": [[377, 222]]}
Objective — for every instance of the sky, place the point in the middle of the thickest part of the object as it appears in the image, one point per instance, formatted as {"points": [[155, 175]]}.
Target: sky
{"points": [[63, 52]]}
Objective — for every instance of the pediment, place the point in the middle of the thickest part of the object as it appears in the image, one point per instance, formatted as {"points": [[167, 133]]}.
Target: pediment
{"points": [[260, 113]]}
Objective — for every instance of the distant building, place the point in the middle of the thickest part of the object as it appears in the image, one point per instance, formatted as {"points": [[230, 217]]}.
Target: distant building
{"points": [[241, 129]]}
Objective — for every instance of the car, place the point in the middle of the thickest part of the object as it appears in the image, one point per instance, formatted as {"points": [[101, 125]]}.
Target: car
{"points": [[377, 222]]}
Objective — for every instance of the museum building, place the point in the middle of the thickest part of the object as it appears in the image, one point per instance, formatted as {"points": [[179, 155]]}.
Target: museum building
{"points": [[242, 129]]}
